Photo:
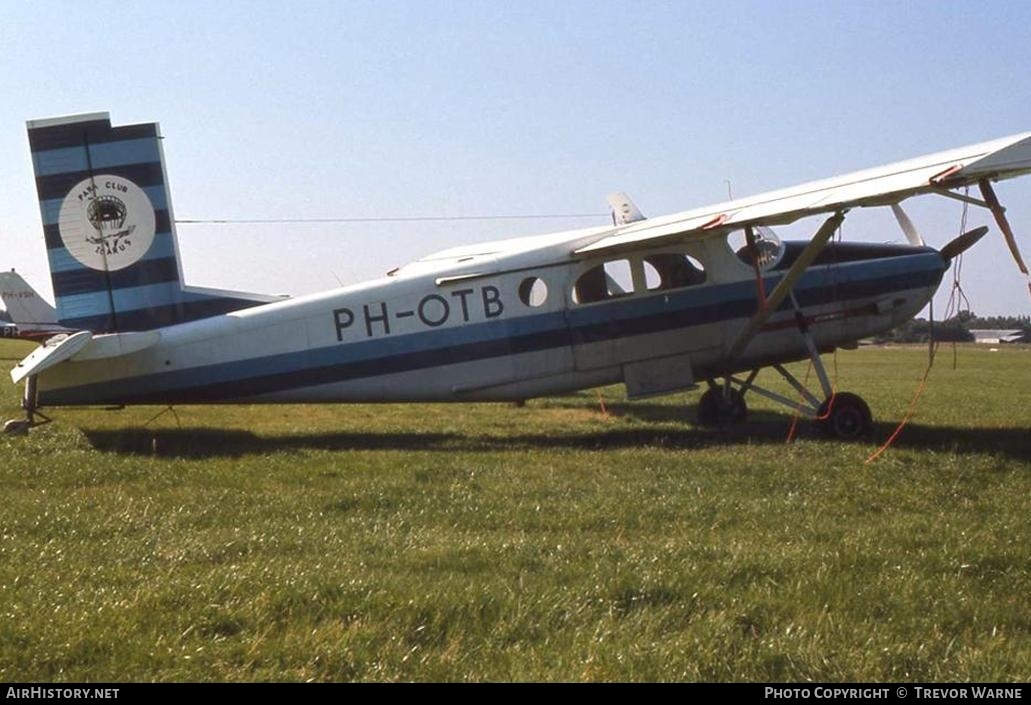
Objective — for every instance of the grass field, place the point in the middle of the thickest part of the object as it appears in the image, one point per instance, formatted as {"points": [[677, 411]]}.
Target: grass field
{"points": [[551, 542]]}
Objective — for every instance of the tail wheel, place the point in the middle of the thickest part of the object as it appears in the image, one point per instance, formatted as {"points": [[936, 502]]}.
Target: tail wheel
{"points": [[717, 408], [845, 416]]}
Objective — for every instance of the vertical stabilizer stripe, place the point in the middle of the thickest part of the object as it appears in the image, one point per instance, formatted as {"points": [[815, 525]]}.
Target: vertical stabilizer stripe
{"points": [[103, 155]]}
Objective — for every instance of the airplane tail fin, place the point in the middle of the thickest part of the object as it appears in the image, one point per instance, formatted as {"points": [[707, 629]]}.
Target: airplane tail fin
{"points": [[23, 304], [109, 228]]}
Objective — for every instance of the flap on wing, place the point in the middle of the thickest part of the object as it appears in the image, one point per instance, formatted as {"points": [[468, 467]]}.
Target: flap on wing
{"points": [[56, 350], [999, 159]]}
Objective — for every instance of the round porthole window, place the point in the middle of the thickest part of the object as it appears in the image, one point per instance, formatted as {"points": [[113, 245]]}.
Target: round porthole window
{"points": [[533, 291]]}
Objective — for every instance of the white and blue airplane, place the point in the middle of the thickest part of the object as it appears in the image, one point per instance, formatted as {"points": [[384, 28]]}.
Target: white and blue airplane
{"points": [[32, 318], [657, 304]]}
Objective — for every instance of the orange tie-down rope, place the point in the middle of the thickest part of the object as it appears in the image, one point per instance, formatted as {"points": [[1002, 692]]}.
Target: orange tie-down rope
{"points": [[957, 297], [951, 308], [830, 406], [905, 419]]}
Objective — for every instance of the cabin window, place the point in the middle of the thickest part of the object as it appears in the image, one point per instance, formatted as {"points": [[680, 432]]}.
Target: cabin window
{"points": [[533, 291], [619, 278], [672, 270], [605, 281]]}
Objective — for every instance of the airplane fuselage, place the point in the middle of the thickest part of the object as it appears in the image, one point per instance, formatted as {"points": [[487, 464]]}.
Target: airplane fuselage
{"points": [[513, 327]]}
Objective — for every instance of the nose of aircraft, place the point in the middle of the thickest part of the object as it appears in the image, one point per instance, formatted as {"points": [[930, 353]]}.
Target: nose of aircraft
{"points": [[962, 243]]}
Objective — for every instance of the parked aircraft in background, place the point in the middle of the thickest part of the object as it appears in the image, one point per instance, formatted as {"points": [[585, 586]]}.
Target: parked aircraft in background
{"points": [[32, 318], [657, 304]]}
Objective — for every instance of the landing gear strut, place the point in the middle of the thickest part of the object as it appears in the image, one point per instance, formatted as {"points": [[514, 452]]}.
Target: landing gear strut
{"points": [[841, 415], [19, 427]]}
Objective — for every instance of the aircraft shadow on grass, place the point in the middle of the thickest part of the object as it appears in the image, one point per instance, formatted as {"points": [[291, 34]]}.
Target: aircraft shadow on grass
{"points": [[763, 428]]}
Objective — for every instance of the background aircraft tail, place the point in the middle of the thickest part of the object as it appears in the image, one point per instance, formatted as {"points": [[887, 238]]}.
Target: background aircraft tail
{"points": [[109, 228], [23, 304]]}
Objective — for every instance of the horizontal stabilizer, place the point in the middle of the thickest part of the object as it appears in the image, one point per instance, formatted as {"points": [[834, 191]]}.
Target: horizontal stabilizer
{"points": [[23, 304], [82, 346], [54, 351], [117, 344]]}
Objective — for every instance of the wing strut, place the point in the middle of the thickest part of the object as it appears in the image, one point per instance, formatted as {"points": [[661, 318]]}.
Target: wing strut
{"points": [[1004, 225], [786, 284]]}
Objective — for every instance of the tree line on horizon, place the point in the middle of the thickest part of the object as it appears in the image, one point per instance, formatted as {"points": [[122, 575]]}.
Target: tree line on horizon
{"points": [[954, 330]]}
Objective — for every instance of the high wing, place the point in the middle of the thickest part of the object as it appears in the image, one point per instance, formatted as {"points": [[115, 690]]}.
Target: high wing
{"points": [[996, 160]]}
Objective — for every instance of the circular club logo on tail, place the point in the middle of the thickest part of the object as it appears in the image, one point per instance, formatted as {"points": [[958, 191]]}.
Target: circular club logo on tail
{"points": [[107, 222]]}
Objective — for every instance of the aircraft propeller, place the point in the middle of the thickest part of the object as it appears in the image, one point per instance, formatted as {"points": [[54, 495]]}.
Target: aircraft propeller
{"points": [[962, 243]]}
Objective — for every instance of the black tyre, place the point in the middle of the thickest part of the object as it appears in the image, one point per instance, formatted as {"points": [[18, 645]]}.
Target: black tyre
{"points": [[845, 416], [717, 409]]}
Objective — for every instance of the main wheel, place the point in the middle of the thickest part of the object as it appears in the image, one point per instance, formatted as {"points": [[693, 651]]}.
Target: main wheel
{"points": [[716, 409], [845, 416]]}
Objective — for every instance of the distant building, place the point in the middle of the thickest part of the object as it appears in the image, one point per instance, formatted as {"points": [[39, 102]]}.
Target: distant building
{"points": [[995, 336]]}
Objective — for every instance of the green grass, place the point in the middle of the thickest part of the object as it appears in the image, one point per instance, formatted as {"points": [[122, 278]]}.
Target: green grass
{"points": [[551, 542]]}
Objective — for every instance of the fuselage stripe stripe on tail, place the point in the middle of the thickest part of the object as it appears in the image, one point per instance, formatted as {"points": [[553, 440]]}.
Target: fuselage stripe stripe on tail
{"points": [[58, 185], [104, 155], [94, 132], [84, 281], [158, 316]]}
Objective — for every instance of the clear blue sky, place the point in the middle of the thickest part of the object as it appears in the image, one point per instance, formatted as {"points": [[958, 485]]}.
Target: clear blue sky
{"points": [[337, 108]]}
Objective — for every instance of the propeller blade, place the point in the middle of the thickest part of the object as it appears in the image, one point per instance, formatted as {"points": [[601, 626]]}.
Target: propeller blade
{"points": [[963, 243], [907, 226]]}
